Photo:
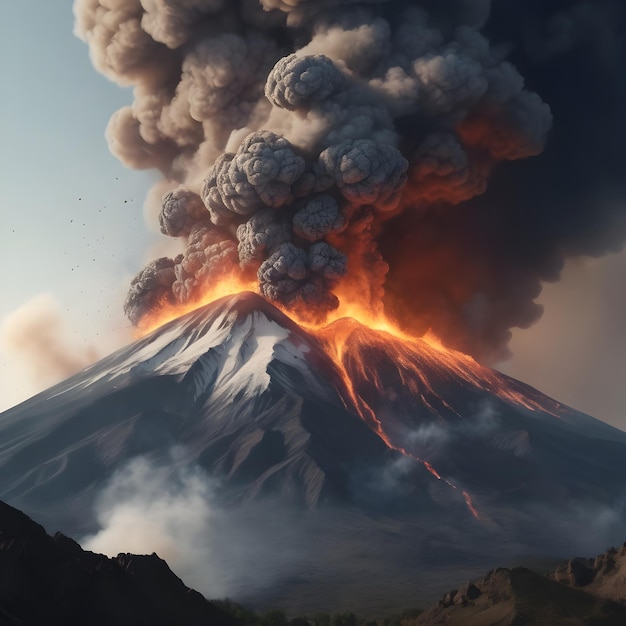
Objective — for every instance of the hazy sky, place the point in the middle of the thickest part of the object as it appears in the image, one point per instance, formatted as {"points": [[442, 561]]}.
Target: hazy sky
{"points": [[72, 223], [73, 235]]}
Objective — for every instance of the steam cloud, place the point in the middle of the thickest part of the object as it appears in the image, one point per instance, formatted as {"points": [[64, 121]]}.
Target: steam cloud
{"points": [[148, 508], [331, 143]]}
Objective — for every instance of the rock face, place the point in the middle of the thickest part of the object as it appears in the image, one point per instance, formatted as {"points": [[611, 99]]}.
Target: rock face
{"points": [[603, 576], [50, 580], [521, 597]]}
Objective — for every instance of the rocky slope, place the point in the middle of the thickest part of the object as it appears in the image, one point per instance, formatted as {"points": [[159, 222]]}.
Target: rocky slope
{"points": [[48, 580], [603, 576], [386, 464], [521, 597]]}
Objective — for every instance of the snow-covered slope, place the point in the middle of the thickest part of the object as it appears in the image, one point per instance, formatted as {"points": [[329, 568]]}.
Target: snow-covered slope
{"points": [[236, 387]]}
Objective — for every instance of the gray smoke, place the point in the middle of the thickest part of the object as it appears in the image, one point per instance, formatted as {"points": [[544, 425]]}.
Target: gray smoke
{"points": [[296, 129], [175, 511], [181, 210], [298, 82], [320, 217], [150, 289]]}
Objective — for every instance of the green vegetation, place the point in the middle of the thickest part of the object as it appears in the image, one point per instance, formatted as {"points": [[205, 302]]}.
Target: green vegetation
{"points": [[277, 617]]}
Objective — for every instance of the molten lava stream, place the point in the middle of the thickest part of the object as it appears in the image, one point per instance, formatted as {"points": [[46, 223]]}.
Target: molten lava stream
{"points": [[227, 286], [334, 338]]}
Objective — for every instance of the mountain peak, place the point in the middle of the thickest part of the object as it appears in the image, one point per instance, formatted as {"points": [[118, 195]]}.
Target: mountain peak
{"points": [[343, 418]]}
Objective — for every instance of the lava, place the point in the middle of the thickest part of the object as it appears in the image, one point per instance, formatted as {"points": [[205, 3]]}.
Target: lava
{"points": [[336, 338], [384, 370], [228, 285]]}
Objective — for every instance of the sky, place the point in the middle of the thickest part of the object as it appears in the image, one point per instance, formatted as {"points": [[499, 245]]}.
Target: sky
{"points": [[73, 232], [73, 235]]}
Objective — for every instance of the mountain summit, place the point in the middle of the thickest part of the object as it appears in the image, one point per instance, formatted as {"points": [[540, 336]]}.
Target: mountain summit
{"points": [[453, 458]]}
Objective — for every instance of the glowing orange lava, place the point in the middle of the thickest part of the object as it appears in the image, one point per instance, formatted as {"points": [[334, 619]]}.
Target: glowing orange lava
{"points": [[338, 338], [356, 337], [226, 286]]}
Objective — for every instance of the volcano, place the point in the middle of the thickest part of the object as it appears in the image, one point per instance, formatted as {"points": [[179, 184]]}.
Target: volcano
{"points": [[390, 451]]}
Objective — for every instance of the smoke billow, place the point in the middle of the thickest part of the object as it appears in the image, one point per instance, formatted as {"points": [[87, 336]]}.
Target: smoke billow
{"points": [[38, 337], [174, 511], [336, 147]]}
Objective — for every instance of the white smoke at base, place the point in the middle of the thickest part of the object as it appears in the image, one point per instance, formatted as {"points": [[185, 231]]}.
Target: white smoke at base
{"points": [[173, 510]]}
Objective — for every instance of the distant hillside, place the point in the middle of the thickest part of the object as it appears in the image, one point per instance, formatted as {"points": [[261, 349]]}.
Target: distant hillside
{"points": [[583, 592]]}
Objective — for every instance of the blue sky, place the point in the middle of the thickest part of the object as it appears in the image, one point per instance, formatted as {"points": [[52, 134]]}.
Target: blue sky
{"points": [[73, 227], [72, 223]]}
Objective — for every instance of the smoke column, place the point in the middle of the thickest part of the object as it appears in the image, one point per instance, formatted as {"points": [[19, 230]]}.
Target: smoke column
{"points": [[333, 147]]}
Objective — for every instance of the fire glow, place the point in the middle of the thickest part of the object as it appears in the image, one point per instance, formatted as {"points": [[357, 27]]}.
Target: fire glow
{"points": [[375, 360], [335, 338], [227, 286]]}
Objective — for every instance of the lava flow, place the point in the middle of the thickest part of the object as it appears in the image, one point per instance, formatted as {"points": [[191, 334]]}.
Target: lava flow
{"points": [[395, 382], [349, 343]]}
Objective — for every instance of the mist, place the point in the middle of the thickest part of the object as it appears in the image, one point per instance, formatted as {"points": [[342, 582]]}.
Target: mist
{"points": [[174, 510], [40, 347]]}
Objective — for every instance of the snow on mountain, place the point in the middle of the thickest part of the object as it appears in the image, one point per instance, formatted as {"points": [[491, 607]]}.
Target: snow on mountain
{"points": [[455, 459]]}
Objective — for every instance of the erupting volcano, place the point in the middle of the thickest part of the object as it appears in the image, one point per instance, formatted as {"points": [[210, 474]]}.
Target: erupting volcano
{"points": [[350, 247], [306, 145], [353, 430], [342, 415]]}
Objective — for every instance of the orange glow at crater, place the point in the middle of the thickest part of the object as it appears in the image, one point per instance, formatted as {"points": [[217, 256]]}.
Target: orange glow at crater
{"points": [[378, 362], [225, 286]]}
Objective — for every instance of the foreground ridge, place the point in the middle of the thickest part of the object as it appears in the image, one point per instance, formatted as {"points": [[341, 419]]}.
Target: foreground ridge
{"points": [[578, 593], [52, 580]]}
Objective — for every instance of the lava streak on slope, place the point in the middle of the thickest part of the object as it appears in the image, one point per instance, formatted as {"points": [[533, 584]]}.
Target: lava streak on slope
{"points": [[400, 385], [354, 347]]}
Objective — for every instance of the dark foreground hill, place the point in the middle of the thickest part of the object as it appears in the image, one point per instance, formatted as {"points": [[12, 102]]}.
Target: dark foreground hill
{"points": [[49, 581]]}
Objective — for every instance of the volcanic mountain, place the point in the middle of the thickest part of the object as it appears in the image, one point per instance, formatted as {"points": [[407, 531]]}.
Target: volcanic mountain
{"points": [[403, 451]]}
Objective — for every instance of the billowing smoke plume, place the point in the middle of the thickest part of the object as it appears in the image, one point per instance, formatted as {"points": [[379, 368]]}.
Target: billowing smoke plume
{"points": [[332, 145]]}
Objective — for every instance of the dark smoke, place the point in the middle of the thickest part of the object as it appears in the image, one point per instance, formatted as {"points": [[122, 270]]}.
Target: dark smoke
{"points": [[317, 143]]}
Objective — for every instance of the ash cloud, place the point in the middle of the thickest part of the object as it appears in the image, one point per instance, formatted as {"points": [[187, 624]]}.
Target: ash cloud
{"points": [[454, 154], [37, 336]]}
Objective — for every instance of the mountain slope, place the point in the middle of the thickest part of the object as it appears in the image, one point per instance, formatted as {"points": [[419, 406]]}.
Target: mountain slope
{"points": [[407, 456], [521, 597], [244, 391]]}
